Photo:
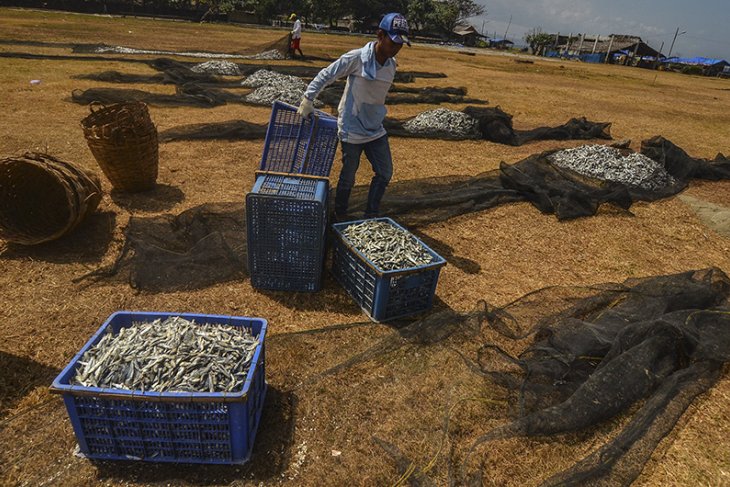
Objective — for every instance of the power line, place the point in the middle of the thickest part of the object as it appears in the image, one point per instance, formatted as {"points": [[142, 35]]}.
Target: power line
{"points": [[707, 40]]}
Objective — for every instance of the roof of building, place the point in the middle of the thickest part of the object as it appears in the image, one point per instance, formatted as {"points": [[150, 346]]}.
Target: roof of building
{"points": [[620, 43], [465, 29]]}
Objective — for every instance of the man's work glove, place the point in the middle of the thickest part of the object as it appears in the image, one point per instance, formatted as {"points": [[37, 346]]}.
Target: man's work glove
{"points": [[306, 107]]}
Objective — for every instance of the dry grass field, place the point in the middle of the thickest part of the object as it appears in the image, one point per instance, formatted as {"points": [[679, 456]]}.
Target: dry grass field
{"points": [[400, 395]]}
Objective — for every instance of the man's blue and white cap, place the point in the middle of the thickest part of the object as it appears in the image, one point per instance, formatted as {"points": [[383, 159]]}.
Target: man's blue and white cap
{"points": [[396, 26]]}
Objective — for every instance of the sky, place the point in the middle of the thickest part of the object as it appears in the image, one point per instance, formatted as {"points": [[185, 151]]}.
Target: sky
{"points": [[704, 25]]}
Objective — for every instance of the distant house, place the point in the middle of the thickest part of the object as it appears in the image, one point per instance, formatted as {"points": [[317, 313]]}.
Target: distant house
{"points": [[467, 34], [499, 43], [707, 66], [619, 48]]}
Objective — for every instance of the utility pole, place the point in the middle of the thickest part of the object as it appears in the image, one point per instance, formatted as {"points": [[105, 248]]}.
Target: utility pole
{"points": [[608, 51], [569, 45], [675, 38], [510, 23]]}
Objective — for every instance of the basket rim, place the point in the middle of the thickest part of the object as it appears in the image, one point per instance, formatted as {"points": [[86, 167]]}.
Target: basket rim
{"points": [[62, 385], [436, 263]]}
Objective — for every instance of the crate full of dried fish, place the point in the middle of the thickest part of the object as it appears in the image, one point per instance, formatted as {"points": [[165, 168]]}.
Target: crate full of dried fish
{"points": [[299, 145], [286, 224], [387, 270], [168, 387]]}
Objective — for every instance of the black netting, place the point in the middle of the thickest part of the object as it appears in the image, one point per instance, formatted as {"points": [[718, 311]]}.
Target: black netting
{"points": [[682, 166], [195, 249], [188, 95], [663, 339], [280, 45], [230, 130], [204, 90], [494, 125], [158, 248], [565, 359], [203, 95]]}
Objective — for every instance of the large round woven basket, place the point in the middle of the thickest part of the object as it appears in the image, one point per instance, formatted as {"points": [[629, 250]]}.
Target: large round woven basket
{"points": [[123, 139], [43, 198]]}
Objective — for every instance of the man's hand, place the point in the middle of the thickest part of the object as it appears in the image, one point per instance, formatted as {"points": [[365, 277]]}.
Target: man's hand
{"points": [[306, 107]]}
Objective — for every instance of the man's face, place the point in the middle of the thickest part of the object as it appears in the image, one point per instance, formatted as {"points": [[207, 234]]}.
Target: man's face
{"points": [[387, 46]]}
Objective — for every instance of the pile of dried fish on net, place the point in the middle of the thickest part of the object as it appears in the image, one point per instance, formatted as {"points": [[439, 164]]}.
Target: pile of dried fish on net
{"points": [[443, 120], [224, 68], [265, 77], [388, 247], [267, 54], [171, 355], [610, 164], [271, 86], [270, 54]]}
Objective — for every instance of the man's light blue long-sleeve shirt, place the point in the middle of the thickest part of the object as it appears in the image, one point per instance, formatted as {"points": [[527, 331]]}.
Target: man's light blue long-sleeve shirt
{"points": [[362, 106]]}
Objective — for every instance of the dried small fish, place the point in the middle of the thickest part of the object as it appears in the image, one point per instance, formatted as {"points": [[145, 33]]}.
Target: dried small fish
{"points": [[443, 120], [224, 68], [174, 355], [271, 86], [386, 246], [609, 164]]}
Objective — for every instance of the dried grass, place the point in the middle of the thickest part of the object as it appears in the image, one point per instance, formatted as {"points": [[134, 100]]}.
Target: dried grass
{"points": [[45, 318]]}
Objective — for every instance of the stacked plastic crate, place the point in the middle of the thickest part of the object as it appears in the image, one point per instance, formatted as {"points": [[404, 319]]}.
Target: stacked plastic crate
{"points": [[286, 211]]}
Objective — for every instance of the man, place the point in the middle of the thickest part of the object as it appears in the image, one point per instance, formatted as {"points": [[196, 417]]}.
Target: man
{"points": [[296, 35], [370, 71]]}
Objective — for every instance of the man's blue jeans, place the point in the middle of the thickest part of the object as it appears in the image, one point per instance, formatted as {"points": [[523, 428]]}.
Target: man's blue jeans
{"points": [[378, 153]]}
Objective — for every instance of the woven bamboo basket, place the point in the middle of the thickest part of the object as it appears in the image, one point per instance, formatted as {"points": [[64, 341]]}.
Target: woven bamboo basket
{"points": [[123, 140], [43, 198]]}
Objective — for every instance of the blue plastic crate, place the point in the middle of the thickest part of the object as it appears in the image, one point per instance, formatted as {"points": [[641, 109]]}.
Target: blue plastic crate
{"points": [[299, 145], [384, 295], [183, 427], [286, 221]]}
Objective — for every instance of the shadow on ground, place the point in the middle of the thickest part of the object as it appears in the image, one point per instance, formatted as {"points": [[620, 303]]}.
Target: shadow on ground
{"points": [[19, 376], [270, 457], [86, 244], [162, 197]]}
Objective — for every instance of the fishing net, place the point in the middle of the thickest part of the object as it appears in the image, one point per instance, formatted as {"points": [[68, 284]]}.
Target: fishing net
{"points": [[204, 90], [207, 244], [188, 95], [198, 248], [489, 123], [200, 85], [277, 49], [561, 361], [493, 124]]}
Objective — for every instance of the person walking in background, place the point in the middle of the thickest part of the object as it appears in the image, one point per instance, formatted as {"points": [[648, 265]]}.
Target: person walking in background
{"points": [[296, 36], [370, 71]]}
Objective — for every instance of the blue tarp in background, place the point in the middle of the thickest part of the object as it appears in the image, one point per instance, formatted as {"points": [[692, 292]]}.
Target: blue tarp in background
{"points": [[597, 57], [700, 61]]}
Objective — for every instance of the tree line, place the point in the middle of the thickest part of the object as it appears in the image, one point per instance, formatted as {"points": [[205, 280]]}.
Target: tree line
{"points": [[438, 17]]}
